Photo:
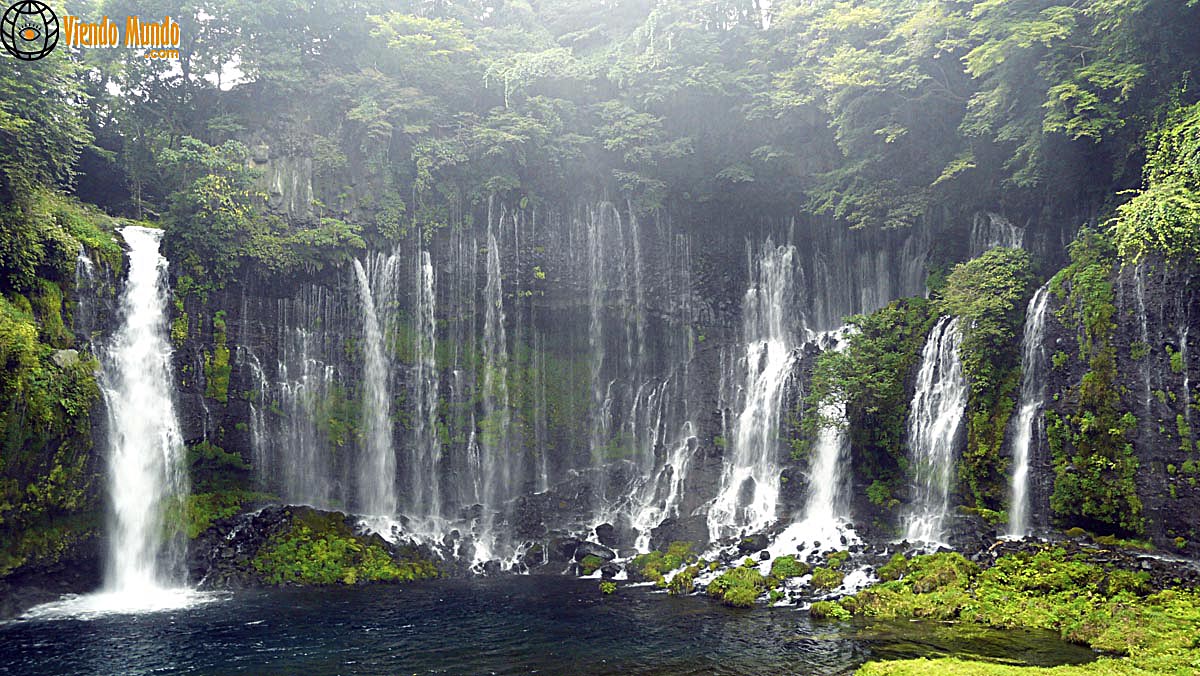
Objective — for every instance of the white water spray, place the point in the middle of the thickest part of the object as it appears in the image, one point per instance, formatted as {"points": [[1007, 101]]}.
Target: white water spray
{"points": [[377, 471], [749, 489], [934, 423], [1027, 425]]}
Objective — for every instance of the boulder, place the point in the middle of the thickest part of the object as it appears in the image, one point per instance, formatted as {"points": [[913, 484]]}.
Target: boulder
{"points": [[65, 358], [586, 549], [606, 534], [753, 543]]}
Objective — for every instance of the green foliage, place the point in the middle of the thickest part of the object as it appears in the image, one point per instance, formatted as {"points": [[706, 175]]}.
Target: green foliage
{"points": [[1094, 463], [46, 469], [200, 510], [652, 566], [787, 566], [738, 587], [827, 578], [896, 568], [837, 559], [1164, 217], [988, 294], [608, 587], [828, 610], [683, 582], [1086, 601], [216, 365], [590, 564], [322, 550]]}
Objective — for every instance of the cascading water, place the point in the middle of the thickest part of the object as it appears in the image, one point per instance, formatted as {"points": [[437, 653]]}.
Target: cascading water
{"points": [[749, 486], [990, 230], [934, 423], [424, 494], [294, 456], [825, 523], [145, 468], [498, 465], [1027, 427], [146, 475], [377, 470]]}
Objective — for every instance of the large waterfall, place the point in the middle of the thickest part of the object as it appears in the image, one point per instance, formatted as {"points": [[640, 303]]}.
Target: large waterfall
{"points": [[749, 489], [934, 423], [145, 462], [1027, 426], [553, 367]]}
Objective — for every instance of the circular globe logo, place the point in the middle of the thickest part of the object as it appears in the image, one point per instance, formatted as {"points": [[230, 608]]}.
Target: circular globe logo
{"points": [[29, 30]]}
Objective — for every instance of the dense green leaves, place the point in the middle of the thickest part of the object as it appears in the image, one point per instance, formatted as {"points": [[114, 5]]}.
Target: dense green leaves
{"points": [[1164, 217]]}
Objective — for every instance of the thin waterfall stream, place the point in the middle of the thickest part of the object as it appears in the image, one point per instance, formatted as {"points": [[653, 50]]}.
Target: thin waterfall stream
{"points": [[1027, 426]]}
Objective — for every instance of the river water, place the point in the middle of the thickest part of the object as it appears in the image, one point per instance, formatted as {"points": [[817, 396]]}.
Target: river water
{"points": [[510, 625]]}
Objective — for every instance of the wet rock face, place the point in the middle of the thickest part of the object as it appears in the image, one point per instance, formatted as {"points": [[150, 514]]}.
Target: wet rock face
{"points": [[1156, 342], [77, 572]]}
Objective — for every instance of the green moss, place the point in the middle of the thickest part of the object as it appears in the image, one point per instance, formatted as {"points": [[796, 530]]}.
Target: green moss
{"points": [[651, 566], [1177, 364], [1111, 610], [683, 582], [1094, 463], [216, 365], [894, 569], [590, 564], [827, 578], [988, 294], [45, 435], [179, 323], [784, 567], [739, 587], [1185, 433], [837, 559], [608, 587], [321, 550], [830, 610], [200, 510]]}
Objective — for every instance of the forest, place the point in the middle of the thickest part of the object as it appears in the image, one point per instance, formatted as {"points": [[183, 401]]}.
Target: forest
{"points": [[869, 310]]}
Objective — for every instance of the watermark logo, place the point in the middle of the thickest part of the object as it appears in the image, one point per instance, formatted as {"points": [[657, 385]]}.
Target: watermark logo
{"points": [[29, 30]]}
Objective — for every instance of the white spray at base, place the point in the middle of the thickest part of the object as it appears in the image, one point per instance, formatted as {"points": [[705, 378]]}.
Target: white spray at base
{"points": [[825, 525]]}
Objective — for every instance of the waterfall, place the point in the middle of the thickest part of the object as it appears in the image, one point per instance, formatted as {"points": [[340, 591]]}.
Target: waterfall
{"points": [[990, 230], [498, 465], [424, 494], [601, 422], [146, 473], [749, 488], [825, 522], [934, 422], [377, 470], [1027, 426], [1145, 365]]}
